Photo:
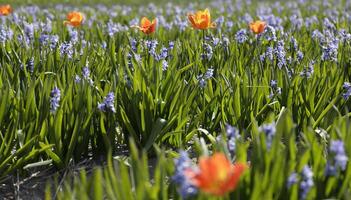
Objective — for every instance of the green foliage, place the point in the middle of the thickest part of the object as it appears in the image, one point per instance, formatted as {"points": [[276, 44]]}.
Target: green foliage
{"points": [[162, 110]]}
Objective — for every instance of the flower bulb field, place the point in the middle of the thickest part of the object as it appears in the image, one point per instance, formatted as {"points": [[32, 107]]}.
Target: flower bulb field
{"points": [[213, 99]]}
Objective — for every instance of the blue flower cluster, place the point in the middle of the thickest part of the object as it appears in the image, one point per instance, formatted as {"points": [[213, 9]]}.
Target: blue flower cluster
{"points": [[339, 156], [55, 96], [108, 103], [183, 163], [269, 130]]}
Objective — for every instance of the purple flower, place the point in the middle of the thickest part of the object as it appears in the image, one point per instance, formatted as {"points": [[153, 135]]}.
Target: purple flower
{"points": [[280, 53], [133, 44], [317, 35], [241, 36], [216, 41], [66, 48], [270, 33], [293, 179], [202, 81], [164, 65], [347, 87], [73, 34], [55, 96], [85, 72], [328, 25], [269, 130], [293, 42], [208, 52], [262, 57], [5, 34], [308, 71], [306, 182], [77, 79], [270, 53], [163, 54], [296, 22], [275, 89], [183, 163], [330, 51], [209, 73], [113, 28], [30, 65], [337, 149], [232, 135], [299, 56], [29, 30], [171, 45], [108, 103], [151, 46]]}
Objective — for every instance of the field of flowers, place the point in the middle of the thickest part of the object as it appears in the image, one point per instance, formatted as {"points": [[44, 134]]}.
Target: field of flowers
{"points": [[221, 99]]}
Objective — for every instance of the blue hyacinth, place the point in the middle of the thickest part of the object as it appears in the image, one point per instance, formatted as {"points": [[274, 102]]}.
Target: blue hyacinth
{"points": [[233, 135], [306, 181], [108, 103], [241, 36], [55, 96], [183, 163], [269, 130], [339, 156], [292, 179]]}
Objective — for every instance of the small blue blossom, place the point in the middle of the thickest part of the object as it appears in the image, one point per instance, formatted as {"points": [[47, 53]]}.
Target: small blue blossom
{"points": [[280, 53], [330, 51], [163, 54], [269, 130], [293, 42], [30, 65], [208, 52], [202, 81], [347, 87], [209, 73], [306, 182], [77, 79], [108, 103], [183, 163], [337, 149], [133, 44], [55, 96], [299, 56], [241, 36], [5, 34], [308, 71], [233, 135], [270, 33], [292, 179], [171, 45], [270, 53], [164, 65], [275, 89], [66, 48], [85, 72]]}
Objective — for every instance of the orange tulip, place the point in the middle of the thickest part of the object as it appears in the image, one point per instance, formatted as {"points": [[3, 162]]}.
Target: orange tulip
{"points": [[217, 175], [146, 26], [74, 19], [257, 26], [201, 20], [5, 10]]}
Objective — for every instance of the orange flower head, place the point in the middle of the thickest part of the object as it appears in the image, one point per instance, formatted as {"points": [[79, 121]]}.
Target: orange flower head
{"points": [[147, 26], [74, 19], [217, 175], [5, 10], [201, 20], [258, 26]]}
